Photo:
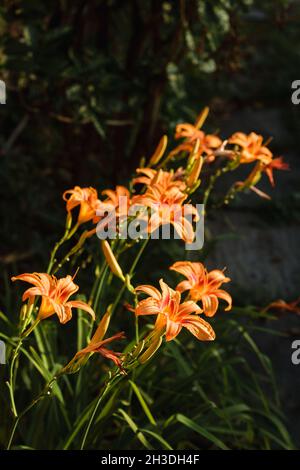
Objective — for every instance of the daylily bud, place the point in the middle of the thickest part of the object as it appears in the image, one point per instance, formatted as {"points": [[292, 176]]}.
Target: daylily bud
{"points": [[142, 162], [154, 346], [195, 172], [111, 260], [202, 118], [138, 349], [193, 155], [160, 150], [25, 315], [255, 175], [23, 312], [75, 364], [102, 327]]}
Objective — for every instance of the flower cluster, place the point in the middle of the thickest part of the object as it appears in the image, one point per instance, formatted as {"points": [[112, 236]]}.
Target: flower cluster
{"points": [[161, 194], [238, 149], [173, 314], [164, 192]]}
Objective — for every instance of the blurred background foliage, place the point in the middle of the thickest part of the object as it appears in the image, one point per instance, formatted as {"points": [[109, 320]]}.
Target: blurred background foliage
{"points": [[91, 87]]}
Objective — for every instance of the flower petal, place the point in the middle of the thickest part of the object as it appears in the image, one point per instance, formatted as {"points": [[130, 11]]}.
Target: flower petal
{"points": [[184, 229], [82, 305], [148, 306], [210, 304], [63, 311], [183, 286], [189, 307], [222, 294], [199, 328], [216, 277], [150, 290], [172, 329], [167, 294]]}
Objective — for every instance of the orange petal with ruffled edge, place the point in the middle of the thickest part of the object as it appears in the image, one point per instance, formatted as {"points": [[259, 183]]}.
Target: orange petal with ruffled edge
{"points": [[201, 329]]}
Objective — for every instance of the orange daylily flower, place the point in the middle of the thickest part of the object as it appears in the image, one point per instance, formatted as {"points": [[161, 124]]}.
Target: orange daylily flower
{"points": [[255, 175], [172, 315], [275, 164], [116, 204], [202, 285], [188, 131], [86, 198], [251, 181], [252, 147], [208, 142], [113, 200], [254, 150], [55, 295], [167, 208], [96, 346], [192, 131], [167, 179], [285, 306]]}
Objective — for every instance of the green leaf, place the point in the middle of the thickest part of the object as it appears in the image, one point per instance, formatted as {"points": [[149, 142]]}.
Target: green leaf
{"points": [[189, 423], [135, 429], [39, 365], [142, 402], [158, 438]]}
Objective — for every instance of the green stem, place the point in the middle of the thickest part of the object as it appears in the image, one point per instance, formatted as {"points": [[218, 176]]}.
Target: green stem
{"points": [[211, 184], [12, 369], [31, 328], [107, 387], [137, 334], [212, 181], [230, 195], [138, 256], [100, 287], [11, 381], [71, 252], [66, 236], [96, 282], [129, 275], [42, 395], [110, 383], [13, 432], [164, 162]]}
